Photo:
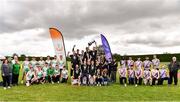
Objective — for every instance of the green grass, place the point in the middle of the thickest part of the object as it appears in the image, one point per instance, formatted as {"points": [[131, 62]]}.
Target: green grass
{"points": [[59, 92], [66, 92]]}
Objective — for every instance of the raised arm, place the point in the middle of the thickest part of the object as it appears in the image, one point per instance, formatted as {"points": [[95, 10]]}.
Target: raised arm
{"points": [[73, 48], [96, 44]]}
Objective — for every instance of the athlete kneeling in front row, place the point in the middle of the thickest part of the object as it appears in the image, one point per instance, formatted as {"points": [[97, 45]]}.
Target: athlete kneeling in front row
{"points": [[64, 75], [122, 76], [131, 76], [56, 77], [105, 77], [92, 71], [138, 76], [45, 68], [50, 74], [99, 78], [30, 76], [155, 76], [75, 79], [40, 75], [147, 77], [163, 75], [84, 77]]}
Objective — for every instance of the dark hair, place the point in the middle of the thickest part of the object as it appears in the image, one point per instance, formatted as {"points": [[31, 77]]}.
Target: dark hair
{"points": [[123, 58], [14, 55], [4, 60]]}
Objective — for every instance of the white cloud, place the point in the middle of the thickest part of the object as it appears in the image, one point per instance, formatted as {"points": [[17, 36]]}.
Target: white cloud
{"points": [[25, 42], [131, 26]]}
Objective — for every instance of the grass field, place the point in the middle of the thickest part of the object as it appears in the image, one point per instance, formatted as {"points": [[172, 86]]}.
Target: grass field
{"points": [[66, 92]]}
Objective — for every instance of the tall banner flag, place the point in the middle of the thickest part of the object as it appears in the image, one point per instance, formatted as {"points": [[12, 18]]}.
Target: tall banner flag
{"points": [[58, 42], [106, 47]]}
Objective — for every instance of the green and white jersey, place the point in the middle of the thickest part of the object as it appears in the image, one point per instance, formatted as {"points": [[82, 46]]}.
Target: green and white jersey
{"points": [[45, 70], [54, 62], [64, 74], [26, 66], [29, 75], [40, 74], [50, 71], [41, 63], [33, 63], [48, 61], [56, 72], [13, 61], [61, 64]]}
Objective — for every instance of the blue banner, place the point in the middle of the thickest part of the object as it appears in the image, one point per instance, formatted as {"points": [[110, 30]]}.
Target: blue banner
{"points": [[106, 47]]}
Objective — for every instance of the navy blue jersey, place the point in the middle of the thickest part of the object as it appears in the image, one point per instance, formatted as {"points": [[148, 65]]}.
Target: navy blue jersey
{"points": [[84, 69], [92, 70], [76, 73]]}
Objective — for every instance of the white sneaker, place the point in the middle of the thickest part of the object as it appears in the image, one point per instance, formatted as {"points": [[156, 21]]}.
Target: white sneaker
{"points": [[22, 82], [58, 82], [5, 88], [125, 85], [136, 85], [52, 82], [9, 87], [100, 85], [27, 84], [97, 84]]}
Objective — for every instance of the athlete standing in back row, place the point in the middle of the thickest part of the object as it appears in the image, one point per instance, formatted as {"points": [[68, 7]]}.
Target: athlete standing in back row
{"points": [[147, 63], [155, 62]]}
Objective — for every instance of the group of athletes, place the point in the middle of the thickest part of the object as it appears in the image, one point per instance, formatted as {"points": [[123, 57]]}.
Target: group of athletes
{"points": [[34, 72], [142, 72], [43, 71], [89, 68]]}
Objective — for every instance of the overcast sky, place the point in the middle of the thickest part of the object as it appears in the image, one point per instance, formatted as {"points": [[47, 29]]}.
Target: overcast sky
{"points": [[131, 26]]}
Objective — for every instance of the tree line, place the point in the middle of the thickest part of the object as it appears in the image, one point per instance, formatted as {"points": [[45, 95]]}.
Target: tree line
{"points": [[163, 57]]}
